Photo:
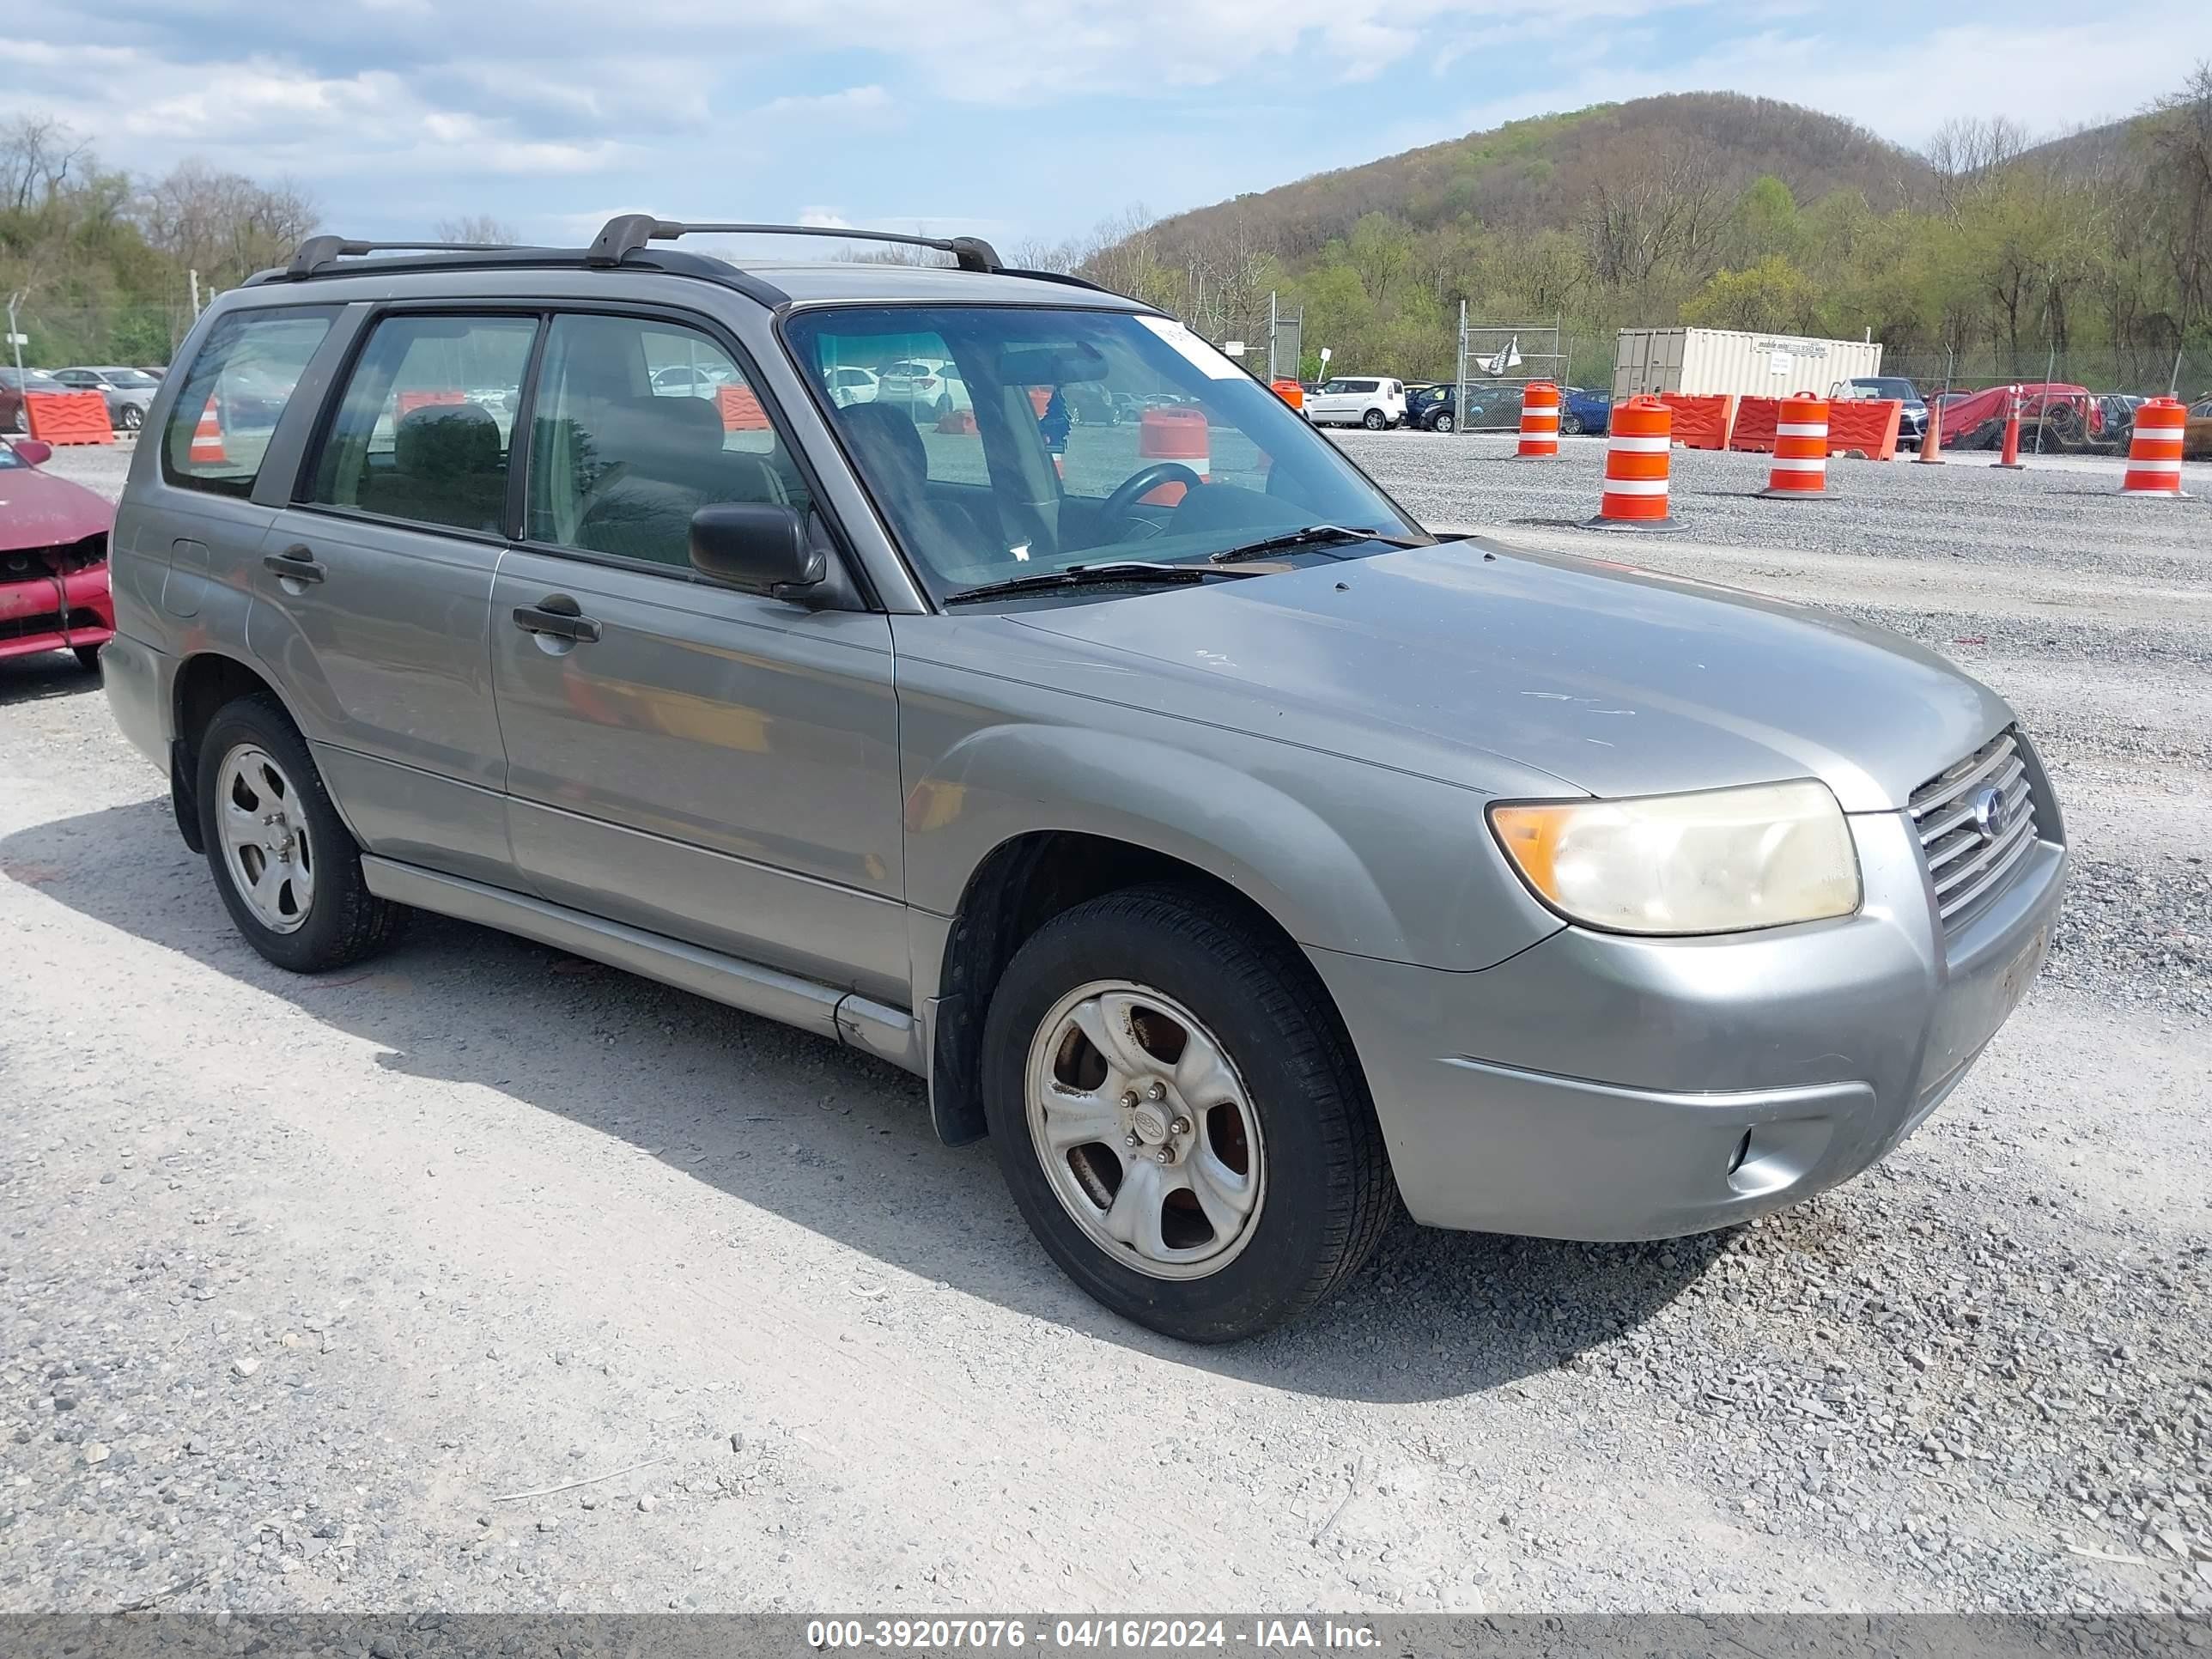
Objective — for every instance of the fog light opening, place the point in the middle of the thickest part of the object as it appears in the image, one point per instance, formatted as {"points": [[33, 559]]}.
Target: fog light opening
{"points": [[1742, 1151]]}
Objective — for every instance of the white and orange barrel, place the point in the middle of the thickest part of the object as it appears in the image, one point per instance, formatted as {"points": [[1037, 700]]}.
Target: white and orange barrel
{"points": [[1636, 454], [1801, 448], [2154, 451], [1540, 420], [1173, 435], [207, 438]]}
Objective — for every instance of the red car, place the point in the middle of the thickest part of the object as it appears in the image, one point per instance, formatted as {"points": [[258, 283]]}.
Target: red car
{"points": [[53, 559]]}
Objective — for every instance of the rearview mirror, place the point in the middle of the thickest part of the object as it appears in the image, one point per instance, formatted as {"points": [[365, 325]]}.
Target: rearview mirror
{"points": [[1053, 365], [33, 451], [757, 548]]}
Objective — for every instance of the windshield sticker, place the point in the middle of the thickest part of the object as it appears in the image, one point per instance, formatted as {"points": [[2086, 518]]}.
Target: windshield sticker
{"points": [[1200, 356]]}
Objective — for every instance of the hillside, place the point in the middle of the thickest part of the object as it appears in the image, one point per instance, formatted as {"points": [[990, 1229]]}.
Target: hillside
{"points": [[1537, 173]]}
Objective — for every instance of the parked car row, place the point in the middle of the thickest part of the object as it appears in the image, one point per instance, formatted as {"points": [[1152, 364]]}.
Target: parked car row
{"points": [[126, 391]]}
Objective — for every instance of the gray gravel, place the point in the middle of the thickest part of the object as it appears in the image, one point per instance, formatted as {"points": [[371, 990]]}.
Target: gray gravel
{"points": [[302, 1280]]}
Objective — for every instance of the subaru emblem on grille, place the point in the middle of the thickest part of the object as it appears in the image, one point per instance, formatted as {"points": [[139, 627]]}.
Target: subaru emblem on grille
{"points": [[1990, 813]]}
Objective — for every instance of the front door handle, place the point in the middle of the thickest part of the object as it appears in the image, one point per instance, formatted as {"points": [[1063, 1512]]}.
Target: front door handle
{"points": [[557, 621], [296, 563]]}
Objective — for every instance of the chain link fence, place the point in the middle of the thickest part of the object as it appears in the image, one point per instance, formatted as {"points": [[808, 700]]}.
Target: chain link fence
{"points": [[68, 337], [2146, 373]]}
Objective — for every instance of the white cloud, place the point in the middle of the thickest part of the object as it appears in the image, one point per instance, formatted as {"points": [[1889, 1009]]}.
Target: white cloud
{"points": [[870, 104]]}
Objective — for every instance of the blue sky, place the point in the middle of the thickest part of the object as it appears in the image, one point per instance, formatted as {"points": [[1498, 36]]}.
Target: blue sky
{"points": [[1012, 119]]}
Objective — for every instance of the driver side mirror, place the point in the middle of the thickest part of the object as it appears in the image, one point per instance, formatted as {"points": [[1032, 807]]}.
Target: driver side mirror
{"points": [[756, 548], [33, 451]]}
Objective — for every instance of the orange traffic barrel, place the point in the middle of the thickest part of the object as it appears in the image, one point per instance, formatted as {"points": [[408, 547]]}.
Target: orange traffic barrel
{"points": [[2154, 451], [1800, 449], [1636, 460], [1540, 421], [207, 438], [1173, 435]]}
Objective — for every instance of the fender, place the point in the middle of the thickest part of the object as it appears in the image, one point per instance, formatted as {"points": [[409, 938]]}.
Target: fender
{"points": [[1438, 894]]}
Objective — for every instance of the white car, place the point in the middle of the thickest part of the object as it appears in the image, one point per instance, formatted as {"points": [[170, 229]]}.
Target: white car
{"points": [[926, 387], [1358, 400], [685, 381], [848, 386]]}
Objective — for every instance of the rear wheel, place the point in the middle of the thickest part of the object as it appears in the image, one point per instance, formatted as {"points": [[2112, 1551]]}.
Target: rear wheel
{"points": [[1180, 1118], [131, 417], [288, 869], [1374, 420]]}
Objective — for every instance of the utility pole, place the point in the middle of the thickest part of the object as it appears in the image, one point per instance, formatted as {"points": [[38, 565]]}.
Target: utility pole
{"points": [[1274, 372], [195, 276], [2173, 380]]}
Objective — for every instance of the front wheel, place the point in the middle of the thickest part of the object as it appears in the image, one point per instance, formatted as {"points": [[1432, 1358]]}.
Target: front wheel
{"points": [[1442, 424], [1570, 423], [288, 869], [88, 657], [1180, 1117]]}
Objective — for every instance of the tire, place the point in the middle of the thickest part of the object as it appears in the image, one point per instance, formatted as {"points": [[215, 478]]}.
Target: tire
{"points": [[1570, 424], [88, 657], [1296, 1106], [1443, 423], [1374, 420], [333, 919], [131, 417]]}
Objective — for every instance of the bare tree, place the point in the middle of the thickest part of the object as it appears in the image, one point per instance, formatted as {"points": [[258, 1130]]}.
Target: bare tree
{"points": [[478, 228], [36, 155], [224, 224]]}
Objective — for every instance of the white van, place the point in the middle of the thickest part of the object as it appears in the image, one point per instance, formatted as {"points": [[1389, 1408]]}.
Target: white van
{"points": [[1357, 400]]}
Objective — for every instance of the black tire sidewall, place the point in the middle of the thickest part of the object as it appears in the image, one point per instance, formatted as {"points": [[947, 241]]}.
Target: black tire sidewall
{"points": [[322, 941], [1287, 1264]]}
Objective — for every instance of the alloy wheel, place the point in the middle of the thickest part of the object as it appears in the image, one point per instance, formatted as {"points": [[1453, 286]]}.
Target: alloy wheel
{"points": [[265, 844], [1145, 1131]]}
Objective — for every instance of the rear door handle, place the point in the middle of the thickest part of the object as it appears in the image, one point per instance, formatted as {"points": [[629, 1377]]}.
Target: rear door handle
{"points": [[295, 563], [558, 624]]}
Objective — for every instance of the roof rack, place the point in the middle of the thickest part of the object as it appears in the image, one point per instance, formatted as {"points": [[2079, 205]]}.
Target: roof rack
{"points": [[628, 232], [317, 252]]}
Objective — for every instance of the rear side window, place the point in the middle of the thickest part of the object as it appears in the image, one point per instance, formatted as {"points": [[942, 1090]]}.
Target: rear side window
{"points": [[622, 452], [234, 393], [423, 431]]}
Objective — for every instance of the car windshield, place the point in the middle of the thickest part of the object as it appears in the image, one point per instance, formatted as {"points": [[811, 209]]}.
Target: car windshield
{"points": [[1094, 437], [1889, 388], [128, 377], [35, 380], [10, 459]]}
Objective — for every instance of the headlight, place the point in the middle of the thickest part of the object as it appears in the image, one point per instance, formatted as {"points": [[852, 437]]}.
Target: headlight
{"points": [[1713, 863]]}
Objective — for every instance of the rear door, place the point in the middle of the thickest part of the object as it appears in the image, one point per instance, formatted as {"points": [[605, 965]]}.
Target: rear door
{"points": [[685, 758], [373, 592]]}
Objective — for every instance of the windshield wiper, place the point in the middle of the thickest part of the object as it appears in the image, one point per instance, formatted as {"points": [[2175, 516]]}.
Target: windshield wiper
{"points": [[1312, 535], [1118, 573]]}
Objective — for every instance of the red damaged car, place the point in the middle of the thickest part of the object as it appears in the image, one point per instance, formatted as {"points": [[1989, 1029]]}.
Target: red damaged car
{"points": [[53, 559]]}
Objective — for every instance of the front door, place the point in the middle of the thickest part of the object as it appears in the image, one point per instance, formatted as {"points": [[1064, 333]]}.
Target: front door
{"points": [[700, 763], [373, 594]]}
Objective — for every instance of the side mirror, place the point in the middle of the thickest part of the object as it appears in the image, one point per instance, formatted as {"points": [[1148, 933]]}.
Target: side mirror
{"points": [[35, 452], [756, 548]]}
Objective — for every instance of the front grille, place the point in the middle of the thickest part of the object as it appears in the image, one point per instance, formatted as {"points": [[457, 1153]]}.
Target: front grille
{"points": [[30, 627], [1969, 865]]}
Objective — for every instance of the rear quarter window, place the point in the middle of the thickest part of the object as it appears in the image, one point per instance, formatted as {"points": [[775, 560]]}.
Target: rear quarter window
{"points": [[237, 389]]}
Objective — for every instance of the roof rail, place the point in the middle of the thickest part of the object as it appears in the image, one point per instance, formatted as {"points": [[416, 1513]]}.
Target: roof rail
{"points": [[628, 232], [311, 255]]}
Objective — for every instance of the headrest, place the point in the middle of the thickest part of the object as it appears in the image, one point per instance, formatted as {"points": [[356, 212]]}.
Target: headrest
{"points": [[445, 440]]}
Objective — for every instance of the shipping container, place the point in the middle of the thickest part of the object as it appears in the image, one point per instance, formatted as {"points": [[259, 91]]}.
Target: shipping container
{"points": [[1705, 362]]}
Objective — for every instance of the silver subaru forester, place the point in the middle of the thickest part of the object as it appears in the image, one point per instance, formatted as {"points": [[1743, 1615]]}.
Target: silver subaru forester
{"points": [[1060, 717]]}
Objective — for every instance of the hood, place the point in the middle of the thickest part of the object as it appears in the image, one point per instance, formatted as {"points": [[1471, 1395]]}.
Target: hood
{"points": [[1613, 680], [40, 510]]}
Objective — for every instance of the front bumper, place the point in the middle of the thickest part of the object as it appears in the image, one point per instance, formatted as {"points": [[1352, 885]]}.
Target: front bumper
{"points": [[1603, 1087], [56, 613]]}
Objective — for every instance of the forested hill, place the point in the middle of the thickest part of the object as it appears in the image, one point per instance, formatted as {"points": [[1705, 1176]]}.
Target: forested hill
{"points": [[1996, 253], [1537, 173]]}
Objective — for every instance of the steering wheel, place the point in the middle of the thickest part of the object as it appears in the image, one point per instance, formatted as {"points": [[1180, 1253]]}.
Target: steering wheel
{"points": [[1113, 511]]}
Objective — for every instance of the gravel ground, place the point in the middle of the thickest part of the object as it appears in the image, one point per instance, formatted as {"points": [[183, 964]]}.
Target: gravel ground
{"points": [[310, 1288]]}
